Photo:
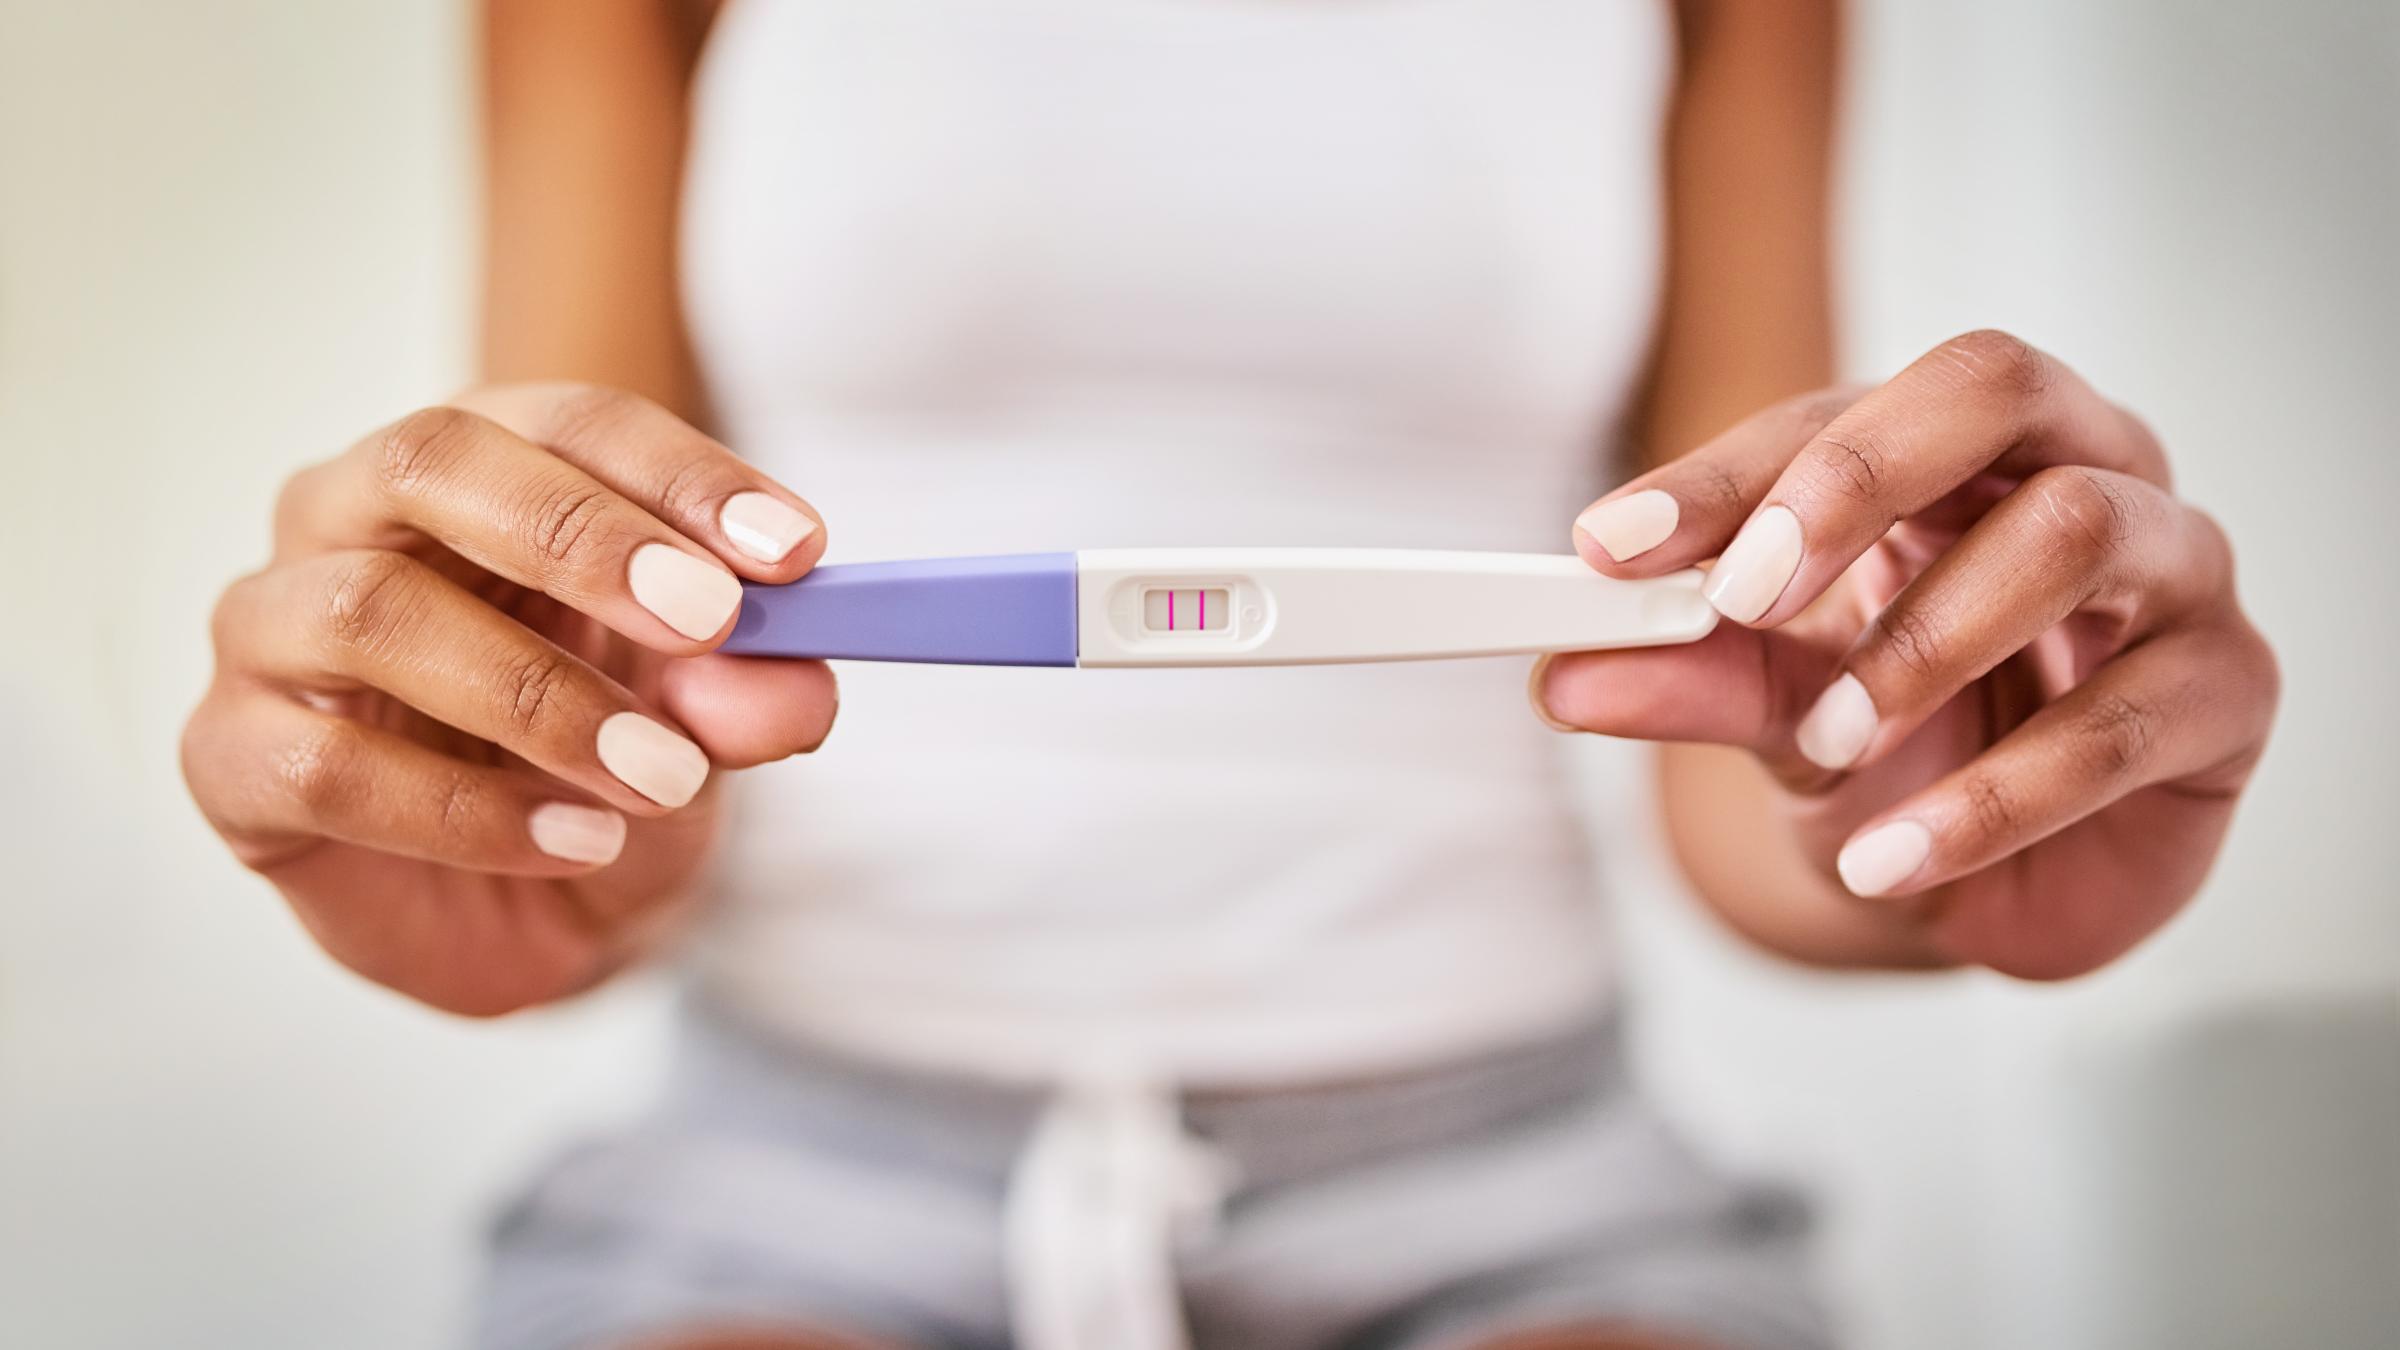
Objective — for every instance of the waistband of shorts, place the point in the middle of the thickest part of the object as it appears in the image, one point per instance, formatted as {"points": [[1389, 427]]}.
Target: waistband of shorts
{"points": [[730, 1074]]}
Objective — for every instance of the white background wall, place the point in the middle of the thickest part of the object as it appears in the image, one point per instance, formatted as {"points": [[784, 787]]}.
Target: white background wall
{"points": [[234, 233]]}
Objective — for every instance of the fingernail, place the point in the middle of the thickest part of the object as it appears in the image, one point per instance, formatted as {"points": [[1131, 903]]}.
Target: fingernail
{"points": [[695, 598], [762, 526], [583, 834], [1837, 729], [1757, 565], [1630, 526], [1533, 695], [1884, 857], [652, 760]]}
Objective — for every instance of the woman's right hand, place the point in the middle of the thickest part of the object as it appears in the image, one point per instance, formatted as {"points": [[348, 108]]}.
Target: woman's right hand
{"points": [[464, 720]]}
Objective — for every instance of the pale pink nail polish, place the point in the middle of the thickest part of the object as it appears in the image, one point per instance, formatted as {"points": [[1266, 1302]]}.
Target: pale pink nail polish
{"points": [[694, 597], [1629, 526], [652, 760], [583, 834], [1836, 731], [1883, 857], [762, 526], [1757, 565]]}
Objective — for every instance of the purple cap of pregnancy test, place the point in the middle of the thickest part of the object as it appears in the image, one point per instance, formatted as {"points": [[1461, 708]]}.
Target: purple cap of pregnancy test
{"points": [[1016, 610]]}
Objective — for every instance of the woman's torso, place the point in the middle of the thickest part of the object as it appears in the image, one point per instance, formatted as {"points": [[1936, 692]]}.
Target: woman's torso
{"points": [[1054, 274]]}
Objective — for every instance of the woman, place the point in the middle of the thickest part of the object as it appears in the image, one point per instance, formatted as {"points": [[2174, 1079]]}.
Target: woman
{"points": [[1257, 1008]]}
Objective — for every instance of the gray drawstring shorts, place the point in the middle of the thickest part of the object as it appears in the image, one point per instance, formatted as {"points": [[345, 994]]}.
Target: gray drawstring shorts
{"points": [[780, 1186]]}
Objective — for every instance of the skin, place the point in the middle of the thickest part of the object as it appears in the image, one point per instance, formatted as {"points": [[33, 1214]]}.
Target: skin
{"points": [[2066, 696], [2070, 699], [2067, 699], [428, 659]]}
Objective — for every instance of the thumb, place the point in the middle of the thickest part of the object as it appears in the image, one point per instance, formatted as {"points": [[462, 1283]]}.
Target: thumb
{"points": [[1738, 686], [746, 710]]}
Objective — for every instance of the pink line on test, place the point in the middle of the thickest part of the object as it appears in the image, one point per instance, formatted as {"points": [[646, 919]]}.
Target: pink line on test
{"points": [[1170, 611], [1203, 610]]}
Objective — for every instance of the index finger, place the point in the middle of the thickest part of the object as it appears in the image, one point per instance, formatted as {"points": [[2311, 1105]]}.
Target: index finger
{"points": [[521, 513], [1983, 403], [685, 477], [1683, 511]]}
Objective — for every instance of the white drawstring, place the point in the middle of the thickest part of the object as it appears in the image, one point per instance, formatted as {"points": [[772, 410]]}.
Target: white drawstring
{"points": [[1108, 1188]]}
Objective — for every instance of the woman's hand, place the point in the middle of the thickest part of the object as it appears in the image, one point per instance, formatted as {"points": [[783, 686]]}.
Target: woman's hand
{"points": [[465, 719], [1996, 667]]}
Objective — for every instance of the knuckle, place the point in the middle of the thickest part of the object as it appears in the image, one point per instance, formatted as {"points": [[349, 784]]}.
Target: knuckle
{"points": [[2266, 668], [1849, 462], [578, 411], [2246, 679], [1910, 639], [298, 496], [461, 810], [2265, 683], [231, 614], [421, 449], [2115, 735], [535, 690], [562, 523], [367, 598], [290, 493], [1810, 413], [690, 486], [193, 754], [2148, 453], [320, 770], [2001, 361], [2091, 510], [1717, 488], [2212, 550], [1993, 809], [589, 413]]}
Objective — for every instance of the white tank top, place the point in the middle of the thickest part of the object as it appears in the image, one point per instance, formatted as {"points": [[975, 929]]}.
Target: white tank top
{"points": [[984, 277]]}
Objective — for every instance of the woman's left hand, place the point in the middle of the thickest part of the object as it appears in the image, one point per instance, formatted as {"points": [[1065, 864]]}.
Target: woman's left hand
{"points": [[1996, 666]]}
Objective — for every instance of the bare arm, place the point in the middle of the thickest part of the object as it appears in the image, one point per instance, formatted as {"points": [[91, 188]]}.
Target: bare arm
{"points": [[585, 118], [1748, 322], [1748, 314], [1985, 693]]}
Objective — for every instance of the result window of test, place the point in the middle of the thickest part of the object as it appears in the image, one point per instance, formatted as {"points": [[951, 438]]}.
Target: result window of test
{"points": [[1187, 610]]}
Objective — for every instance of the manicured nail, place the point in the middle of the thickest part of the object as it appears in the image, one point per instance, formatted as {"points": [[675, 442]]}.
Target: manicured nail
{"points": [[1884, 857], [584, 834], [1757, 565], [1629, 526], [763, 527], [1533, 695], [695, 598], [652, 760], [1837, 729]]}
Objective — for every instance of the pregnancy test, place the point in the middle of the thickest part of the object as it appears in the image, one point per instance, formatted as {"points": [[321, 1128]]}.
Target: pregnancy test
{"points": [[1214, 607]]}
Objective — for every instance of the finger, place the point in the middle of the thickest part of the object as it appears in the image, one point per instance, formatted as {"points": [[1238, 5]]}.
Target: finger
{"points": [[272, 775], [386, 621], [2189, 707], [2113, 548], [760, 527], [1737, 687], [751, 710], [1981, 404], [522, 513], [1681, 512]]}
